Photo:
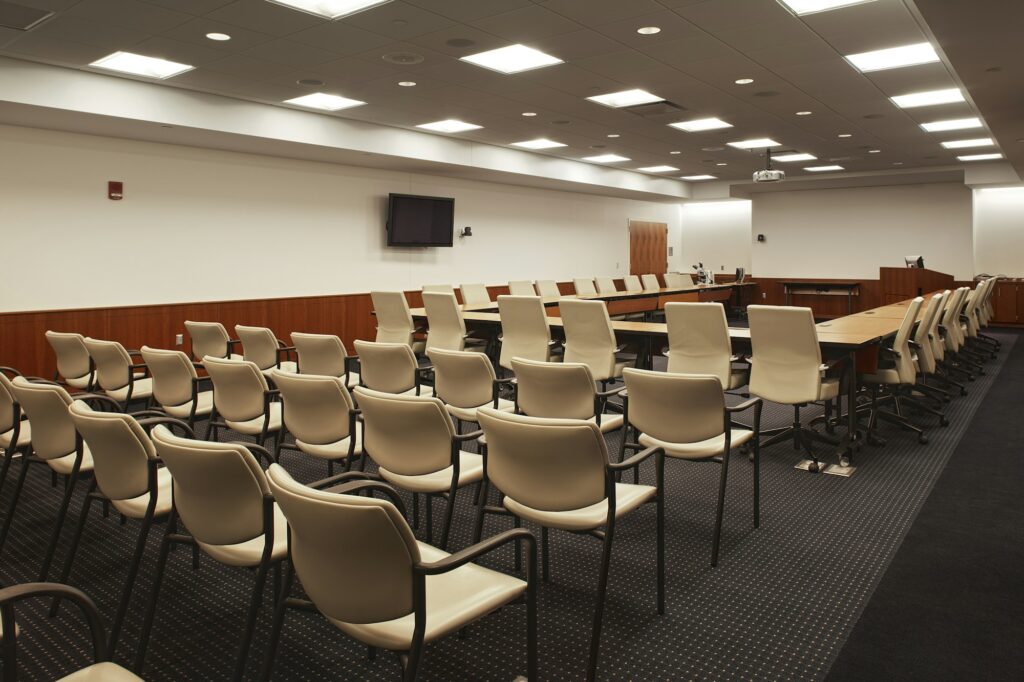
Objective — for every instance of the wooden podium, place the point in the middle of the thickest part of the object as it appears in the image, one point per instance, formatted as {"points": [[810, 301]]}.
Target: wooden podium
{"points": [[899, 284]]}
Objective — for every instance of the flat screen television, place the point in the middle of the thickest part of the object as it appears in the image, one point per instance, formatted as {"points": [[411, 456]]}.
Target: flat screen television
{"points": [[420, 221]]}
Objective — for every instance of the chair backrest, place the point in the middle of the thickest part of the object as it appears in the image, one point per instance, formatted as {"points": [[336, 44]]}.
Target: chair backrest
{"points": [[786, 362], [951, 319], [447, 329], [72, 355], [650, 282], [348, 540], [901, 343], [524, 329], [8, 415], [407, 435], [394, 321], [605, 285], [521, 287], [677, 408], [218, 487], [589, 337], [439, 289], [121, 450], [322, 354], [632, 283], [173, 375], [259, 345], [584, 287], [208, 338], [555, 390], [547, 464], [698, 340], [239, 388], [386, 367], [474, 294], [548, 288], [922, 335], [113, 364], [46, 406], [677, 280], [934, 335], [461, 378], [316, 408]]}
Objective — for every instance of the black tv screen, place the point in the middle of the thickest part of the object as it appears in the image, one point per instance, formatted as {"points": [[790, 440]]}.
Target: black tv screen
{"points": [[420, 221]]}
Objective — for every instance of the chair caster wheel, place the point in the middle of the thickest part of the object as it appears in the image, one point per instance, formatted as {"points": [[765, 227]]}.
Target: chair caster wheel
{"points": [[844, 461], [923, 440], [750, 455], [814, 467], [944, 422]]}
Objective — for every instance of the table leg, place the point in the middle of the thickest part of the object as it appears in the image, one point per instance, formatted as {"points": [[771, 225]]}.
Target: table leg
{"points": [[852, 442]]}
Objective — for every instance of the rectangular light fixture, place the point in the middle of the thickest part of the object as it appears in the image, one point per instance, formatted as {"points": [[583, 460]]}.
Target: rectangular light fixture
{"points": [[894, 57], [788, 158], [626, 98], [963, 144], [701, 124], [822, 169], [658, 169], [802, 7], [930, 98], [141, 65], [606, 158], [756, 143], [980, 157], [539, 143], [330, 9], [449, 125], [952, 124], [512, 59], [321, 100], [698, 178]]}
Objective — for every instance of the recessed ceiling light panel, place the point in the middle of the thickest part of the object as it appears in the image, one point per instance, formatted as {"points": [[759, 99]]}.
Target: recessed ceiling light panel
{"points": [[512, 59], [626, 98], [801, 7], [606, 158], [658, 169], [449, 125], [698, 178], [539, 143], [964, 144], [980, 157], [321, 100], [788, 158], [141, 65], [823, 169], [953, 124], [756, 143], [929, 98], [330, 9], [894, 57], [701, 124]]}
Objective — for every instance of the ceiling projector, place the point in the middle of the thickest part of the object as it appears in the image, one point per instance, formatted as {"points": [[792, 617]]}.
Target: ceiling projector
{"points": [[768, 174]]}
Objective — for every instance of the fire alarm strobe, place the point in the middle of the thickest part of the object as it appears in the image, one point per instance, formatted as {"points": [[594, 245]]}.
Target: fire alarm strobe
{"points": [[115, 190]]}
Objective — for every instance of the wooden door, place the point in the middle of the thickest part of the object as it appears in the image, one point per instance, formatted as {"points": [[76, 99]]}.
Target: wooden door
{"points": [[648, 248]]}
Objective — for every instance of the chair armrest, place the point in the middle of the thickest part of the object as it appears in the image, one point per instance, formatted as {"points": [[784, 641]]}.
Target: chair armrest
{"points": [[153, 421], [232, 343], [463, 557], [746, 405], [16, 593], [257, 450], [135, 353], [609, 393], [462, 438], [635, 459], [10, 370], [355, 487], [339, 478], [425, 369], [507, 381]]}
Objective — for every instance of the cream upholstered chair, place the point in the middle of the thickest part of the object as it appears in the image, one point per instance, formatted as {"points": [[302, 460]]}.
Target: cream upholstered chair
{"points": [[325, 355], [563, 391], [632, 283], [786, 368], [927, 364], [260, 346], [686, 416], [524, 330], [394, 321], [74, 366], [650, 282], [954, 336], [677, 280], [242, 400], [474, 294], [521, 287], [605, 285], [590, 339], [556, 473], [986, 312], [416, 447], [974, 319], [698, 343], [117, 375], [584, 287], [100, 669], [176, 385], [128, 474], [465, 382], [391, 368], [446, 328], [548, 288], [210, 338], [320, 415], [222, 498], [943, 372], [439, 289], [405, 594], [15, 429]]}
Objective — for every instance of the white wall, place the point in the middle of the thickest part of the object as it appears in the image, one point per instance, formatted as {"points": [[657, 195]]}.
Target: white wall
{"points": [[850, 233], [202, 225], [716, 233], [999, 231]]}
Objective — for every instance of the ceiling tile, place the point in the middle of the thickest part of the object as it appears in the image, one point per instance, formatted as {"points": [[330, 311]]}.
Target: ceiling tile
{"points": [[673, 27], [290, 53], [595, 12], [526, 24], [85, 32], [723, 15], [265, 17], [177, 51], [195, 30], [340, 38], [129, 13], [461, 10], [247, 67], [398, 20], [35, 46], [191, 6]]}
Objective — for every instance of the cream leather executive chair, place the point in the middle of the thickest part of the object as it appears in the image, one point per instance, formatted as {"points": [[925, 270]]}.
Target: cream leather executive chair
{"points": [[957, 358], [563, 391], [320, 415], [242, 400], [15, 428], [556, 473], [632, 283], [176, 385], [650, 282], [391, 368], [117, 375], [927, 363], [524, 330], [394, 321], [446, 328], [590, 339], [677, 280], [406, 594], [605, 285], [74, 366], [261, 347], [474, 294], [698, 343], [548, 288], [522, 287], [465, 382], [584, 287], [936, 336], [686, 416], [786, 368], [324, 355], [439, 289], [210, 338]]}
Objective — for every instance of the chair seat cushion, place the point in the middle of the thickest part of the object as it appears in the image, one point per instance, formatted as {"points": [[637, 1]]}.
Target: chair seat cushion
{"points": [[468, 414], [79, 382], [701, 449], [628, 497], [102, 672], [254, 427], [64, 465], [142, 388], [353, 380], [136, 507], [248, 553], [829, 389], [336, 450], [203, 408], [24, 436], [471, 470], [739, 377], [609, 422], [887, 376], [286, 366], [454, 599]]}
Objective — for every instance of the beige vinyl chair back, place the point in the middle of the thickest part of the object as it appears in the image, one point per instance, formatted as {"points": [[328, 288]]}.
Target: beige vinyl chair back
{"points": [[925, 351], [73, 361], [259, 345], [650, 282], [677, 280], [698, 340], [786, 363], [351, 540], [407, 435], [589, 337], [976, 296], [934, 335], [386, 367], [447, 329], [321, 354], [8, 413], [951, 320], [121, 450], [46, 406], [521, 287], [238, 388], [173, 375], [524, 330], [461, 378], [208, 338], [677, 408], [554, 390], [605, 285], [113, 364], [474, 294], [218, 487], [546, 464], [439, 289], [548, 288], [394, 321], [584, 287], [316, 408], [632, 283]]}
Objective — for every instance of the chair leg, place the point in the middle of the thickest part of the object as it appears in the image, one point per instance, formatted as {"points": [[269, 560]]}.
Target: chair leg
{"points": [[278, 623], [13, 504], [545, 556], [518, 523], [716, 542], [59, 525], [133, 572], [161, 565], [448, 514], [428, 500], [65, 572], [602, 590], [478, 526], [250, 621], [8, 456]]}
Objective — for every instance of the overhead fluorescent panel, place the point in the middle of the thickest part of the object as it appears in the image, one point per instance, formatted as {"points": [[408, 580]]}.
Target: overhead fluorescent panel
{"points": [[980, 157], [953, 124], [321, 100], [756, 143], [512, 59], [964, 144], [929, 98], [449, 125], [789, 158], [141, 65], [701, 124], [698, 178], [330, 9], [626, 98], [658, 169], [894, 57], [802, 7], [539, 143], [606, 158]]}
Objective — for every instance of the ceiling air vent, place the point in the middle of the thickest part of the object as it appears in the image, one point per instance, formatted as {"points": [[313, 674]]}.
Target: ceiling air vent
{"points": [[655, 110], [21, 18]]}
